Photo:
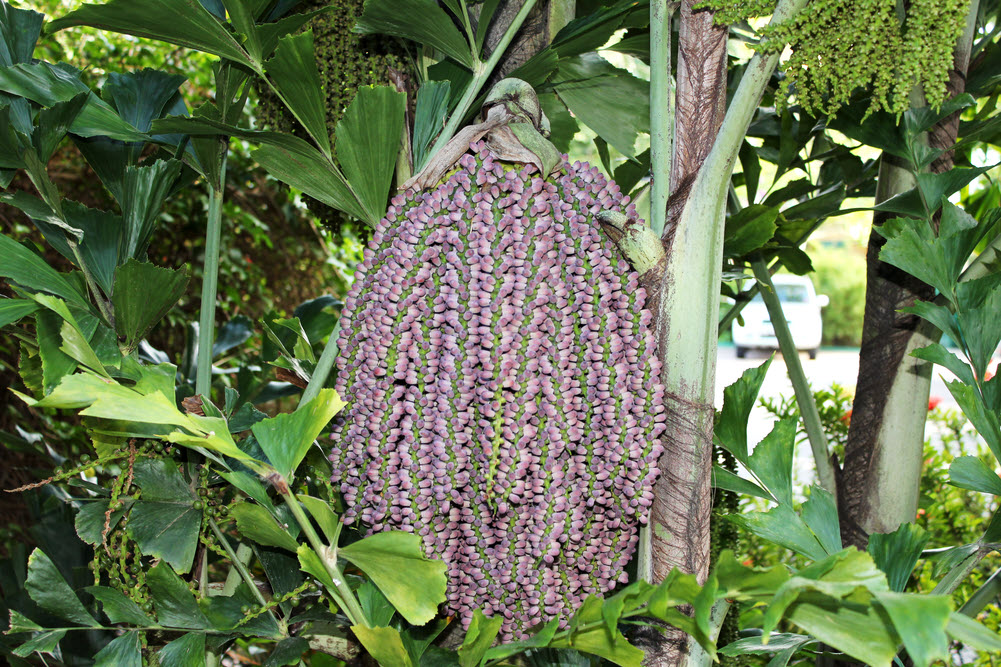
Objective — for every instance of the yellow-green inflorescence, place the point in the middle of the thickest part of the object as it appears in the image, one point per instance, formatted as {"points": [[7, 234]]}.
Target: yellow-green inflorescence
{"points": [[841, 46], [346, 60]]}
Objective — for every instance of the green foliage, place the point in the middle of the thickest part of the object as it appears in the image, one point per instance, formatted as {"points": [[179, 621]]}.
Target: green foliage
{"points": [[952, 516], [811, 530], [834, 407]]}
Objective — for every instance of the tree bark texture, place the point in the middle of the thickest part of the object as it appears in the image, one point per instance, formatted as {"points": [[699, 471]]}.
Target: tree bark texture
{"points": [[682, 505], [680, 513], [878, 488], [701, 102]]}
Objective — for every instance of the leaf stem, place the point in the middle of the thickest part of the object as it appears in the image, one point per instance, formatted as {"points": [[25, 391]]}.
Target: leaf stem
{"points": [[481, 74], [343, 595], [469, 30], [661, 112], [210, 281], [804, 396], [983, 596], [955, 576], [238, 564], [323, 367]]}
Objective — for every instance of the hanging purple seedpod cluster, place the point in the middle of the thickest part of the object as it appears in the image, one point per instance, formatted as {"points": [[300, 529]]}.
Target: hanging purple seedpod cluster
{"points": [[503, 388]]}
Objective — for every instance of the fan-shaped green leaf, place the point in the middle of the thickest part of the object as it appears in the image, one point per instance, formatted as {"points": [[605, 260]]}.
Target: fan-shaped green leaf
{"points": [[185, 651], [324, 516], [771, 460], [43, 642], [920, 620], [182, 22], [593, 90], [48, 85], [50, 591], [12, 310], [24, 267], [122, 651], [820, 513], [383, 556], [175, 605], [118, 608], [479, 637], [144, 190], [143, 294], [969, 472], [897, 553], [383, 644], [293, 73], [286, 438], [19, 30], [298, 164], [164, 522], [258, 524], [368, 139], [429, 116], [738, 400]]}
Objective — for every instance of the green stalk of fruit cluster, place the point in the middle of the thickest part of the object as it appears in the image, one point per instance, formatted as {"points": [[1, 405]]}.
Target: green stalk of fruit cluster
{"points": [[210, 283], [481, 74], [804, 396], [323, 367], [241, 568]]}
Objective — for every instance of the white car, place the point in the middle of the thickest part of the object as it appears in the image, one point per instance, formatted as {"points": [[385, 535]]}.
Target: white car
{"points": [[801, 305]]}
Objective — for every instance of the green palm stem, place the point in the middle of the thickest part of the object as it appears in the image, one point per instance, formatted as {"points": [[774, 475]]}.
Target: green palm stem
{"points": [[661, 112], [210, 282], [238, 564], [481, 74], [661, 142], [342, 594], [323, 367], [804, 396], [688, 317]]}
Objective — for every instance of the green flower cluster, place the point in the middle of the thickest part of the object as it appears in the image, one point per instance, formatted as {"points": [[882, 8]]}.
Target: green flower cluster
{"points": [[346, 60], [841, 46]]}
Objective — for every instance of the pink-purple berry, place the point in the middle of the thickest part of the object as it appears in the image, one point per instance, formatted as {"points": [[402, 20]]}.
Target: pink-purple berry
{"points": [[503, 388]]}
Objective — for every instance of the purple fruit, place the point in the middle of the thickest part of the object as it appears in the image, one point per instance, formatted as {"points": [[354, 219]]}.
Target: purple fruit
{"points": [[503, 388]]}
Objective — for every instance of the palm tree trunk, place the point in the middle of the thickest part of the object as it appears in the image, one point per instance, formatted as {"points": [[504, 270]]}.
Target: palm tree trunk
{"points": [[878, 489]]}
